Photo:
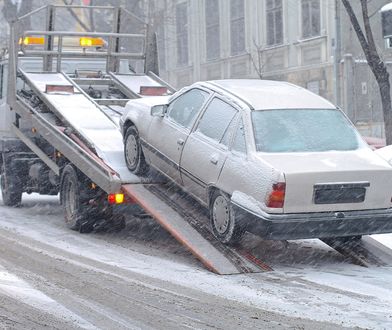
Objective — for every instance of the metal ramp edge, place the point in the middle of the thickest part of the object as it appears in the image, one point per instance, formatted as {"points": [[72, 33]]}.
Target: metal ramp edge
{"points": [[364, 252], [181, 230], [130, 84]]}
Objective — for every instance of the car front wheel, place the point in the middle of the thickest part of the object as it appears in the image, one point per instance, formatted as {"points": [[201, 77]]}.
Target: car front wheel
{"points": [[133, 152], [223, 221]]}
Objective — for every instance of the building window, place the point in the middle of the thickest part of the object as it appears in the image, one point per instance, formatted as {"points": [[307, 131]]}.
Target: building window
{"points": [[1, 80], [161, 47], [310, 18], [274, 22], [212, 29], [182, 33], [237, 26]]}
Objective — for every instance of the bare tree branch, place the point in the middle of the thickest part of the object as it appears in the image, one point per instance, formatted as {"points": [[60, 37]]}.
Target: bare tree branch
{"points": [[259, 65], [375, 63], [76, 17], [355, 23], [368, 31]]}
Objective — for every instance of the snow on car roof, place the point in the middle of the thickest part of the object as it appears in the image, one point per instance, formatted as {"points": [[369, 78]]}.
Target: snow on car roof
{"points": [[269, 94]]}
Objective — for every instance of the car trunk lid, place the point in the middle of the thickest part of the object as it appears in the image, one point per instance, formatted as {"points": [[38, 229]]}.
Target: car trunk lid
{"points": [[333, 180]]}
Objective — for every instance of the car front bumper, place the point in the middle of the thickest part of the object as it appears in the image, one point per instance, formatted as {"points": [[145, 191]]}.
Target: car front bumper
{"points": [[315, 225]]}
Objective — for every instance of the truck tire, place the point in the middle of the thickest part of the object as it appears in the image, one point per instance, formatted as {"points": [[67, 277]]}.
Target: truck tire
{"points": [[133, 152], [225, 226], [72, 192], [11, 189]]}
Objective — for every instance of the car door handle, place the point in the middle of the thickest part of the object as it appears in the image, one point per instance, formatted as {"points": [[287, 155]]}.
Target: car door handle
{"points": [[214, 159], [180, 142]]}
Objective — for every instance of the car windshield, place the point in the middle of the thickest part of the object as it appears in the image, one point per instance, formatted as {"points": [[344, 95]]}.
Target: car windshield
{"points": [[303, 130]]}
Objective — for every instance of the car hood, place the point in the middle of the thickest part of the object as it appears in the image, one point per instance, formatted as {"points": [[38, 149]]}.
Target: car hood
{"points": [[385, 153]]}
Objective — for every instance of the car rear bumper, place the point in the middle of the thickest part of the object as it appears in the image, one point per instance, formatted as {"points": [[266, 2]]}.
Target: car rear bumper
{"points": [[315, 225]]}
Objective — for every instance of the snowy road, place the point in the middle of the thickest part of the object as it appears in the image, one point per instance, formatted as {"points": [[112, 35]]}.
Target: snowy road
{"points": [[142, 278]]}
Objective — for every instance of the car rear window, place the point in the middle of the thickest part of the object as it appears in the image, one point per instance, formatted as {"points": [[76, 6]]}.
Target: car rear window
{"points": [[302, 130]]}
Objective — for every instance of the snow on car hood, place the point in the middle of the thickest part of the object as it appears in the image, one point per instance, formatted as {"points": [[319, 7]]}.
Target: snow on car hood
{"points": [[385, 153], [148, 101], [309, 162]]}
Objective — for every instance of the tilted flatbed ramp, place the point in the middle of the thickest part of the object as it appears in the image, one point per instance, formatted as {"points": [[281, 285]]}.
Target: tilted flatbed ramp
{"points": [[82, 114], [130, 84], [214, 259]]}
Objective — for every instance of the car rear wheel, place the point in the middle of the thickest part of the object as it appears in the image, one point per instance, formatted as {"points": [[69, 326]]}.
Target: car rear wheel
{"points": [[223, 221], [133, 152]]}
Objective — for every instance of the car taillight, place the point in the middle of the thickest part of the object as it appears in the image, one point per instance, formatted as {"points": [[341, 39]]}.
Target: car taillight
{"points": [[276, 196]]}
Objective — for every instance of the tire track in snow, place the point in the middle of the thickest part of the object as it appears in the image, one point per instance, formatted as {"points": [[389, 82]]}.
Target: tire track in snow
{"points": [[19, 290]]}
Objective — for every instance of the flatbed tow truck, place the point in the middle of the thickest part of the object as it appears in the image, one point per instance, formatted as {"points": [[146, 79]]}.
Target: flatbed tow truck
{"points": [[59, 133]]}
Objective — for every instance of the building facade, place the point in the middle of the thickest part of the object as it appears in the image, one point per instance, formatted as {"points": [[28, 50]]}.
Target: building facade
{"points": [[308, 42]]}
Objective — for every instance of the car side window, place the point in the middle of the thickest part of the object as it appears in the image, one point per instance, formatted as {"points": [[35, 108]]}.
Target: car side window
{"points": [[239, 143], [184, 109], [230, 131], [216, 119]]}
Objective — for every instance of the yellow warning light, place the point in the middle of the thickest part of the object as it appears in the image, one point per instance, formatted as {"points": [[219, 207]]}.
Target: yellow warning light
{"points": [[119, 198], [32, 41], [91, 42], [116, 198]]}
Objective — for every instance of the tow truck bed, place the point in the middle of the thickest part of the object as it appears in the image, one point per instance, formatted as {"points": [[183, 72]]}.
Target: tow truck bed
{"points": [[86, 118]]}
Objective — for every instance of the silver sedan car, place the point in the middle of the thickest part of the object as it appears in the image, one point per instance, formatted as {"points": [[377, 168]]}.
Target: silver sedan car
{"points": [[267, 157]]}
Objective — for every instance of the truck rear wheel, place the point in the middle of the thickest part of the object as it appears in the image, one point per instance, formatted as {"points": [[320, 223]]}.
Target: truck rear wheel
{"points": [[74, 205], [11, 189]]}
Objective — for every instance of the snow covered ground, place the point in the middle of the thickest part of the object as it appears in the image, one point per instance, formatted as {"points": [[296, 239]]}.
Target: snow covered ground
{"points": [[310, 280]]}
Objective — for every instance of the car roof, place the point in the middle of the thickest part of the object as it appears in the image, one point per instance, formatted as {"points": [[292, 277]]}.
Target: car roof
{"points": [[268, 94]]}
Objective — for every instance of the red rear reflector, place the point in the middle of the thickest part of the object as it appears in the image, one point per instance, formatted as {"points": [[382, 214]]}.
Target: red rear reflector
{"points": [[153, 90], [116, 198], [66, 89], [276, 196]]}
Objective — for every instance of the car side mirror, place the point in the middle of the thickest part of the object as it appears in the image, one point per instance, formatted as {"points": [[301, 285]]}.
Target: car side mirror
{"points": [[158, 110]]}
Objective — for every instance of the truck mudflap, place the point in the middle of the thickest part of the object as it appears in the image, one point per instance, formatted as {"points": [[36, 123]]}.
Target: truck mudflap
{"points": [[314, 225]]}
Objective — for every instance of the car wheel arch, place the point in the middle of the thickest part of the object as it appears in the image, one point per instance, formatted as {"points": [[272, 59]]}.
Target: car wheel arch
{"points": [[128, 123], [211, 189]]}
